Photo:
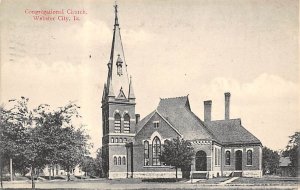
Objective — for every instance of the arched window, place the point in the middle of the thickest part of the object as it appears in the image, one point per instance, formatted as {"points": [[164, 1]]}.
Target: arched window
{"points": [[227, 157], [117, 123], [117, 140], [146, 153], [125, 139], [119, 160], [156, 151], [112, 140], [126, 123], [124, 160], [115, 161], [249, 157], [121, 140]]}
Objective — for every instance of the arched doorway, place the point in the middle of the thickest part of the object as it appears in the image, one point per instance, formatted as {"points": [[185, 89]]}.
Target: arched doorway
{"points": [[201, 161], [238, 160]]}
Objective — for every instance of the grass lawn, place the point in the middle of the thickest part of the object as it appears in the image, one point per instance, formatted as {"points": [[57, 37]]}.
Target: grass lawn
{"points": [[267, 180]]}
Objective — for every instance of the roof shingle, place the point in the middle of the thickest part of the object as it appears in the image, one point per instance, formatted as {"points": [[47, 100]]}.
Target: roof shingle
{"points": [[231, 132], [178, 112]]}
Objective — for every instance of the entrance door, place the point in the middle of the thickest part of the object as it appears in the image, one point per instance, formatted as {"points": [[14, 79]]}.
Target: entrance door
{"points": [[238, 160], [201, 161]]}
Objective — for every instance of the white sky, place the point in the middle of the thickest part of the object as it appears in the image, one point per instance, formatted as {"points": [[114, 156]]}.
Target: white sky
{"points": [[173, 48]]}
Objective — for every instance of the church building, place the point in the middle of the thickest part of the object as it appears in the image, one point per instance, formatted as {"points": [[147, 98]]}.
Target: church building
{"points": [[131, 147]]}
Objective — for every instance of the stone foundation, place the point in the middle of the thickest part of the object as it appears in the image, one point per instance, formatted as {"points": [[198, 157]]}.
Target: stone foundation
{"points": [[252, 173], [157, 174], [116, 175], [246, 173]]}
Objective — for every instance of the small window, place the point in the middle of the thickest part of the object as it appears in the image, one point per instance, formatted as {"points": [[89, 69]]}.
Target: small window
{"points": [[112, 140], [227, 157], [146, 153], [156, 124], [249, 157], [119, 160], [121, 140], [126, 123], [117, 123], [217, 156], [125, 139], [115, 161], [124, 160]]}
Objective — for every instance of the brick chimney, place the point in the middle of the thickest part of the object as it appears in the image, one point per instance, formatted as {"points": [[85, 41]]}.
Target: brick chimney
{"points": [[137, 118], [207, 110], [227, 105]]}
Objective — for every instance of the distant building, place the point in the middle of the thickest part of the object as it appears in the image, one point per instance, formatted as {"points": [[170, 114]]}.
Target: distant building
{"points": [[57, 170], [131, 148], [285, 169]]}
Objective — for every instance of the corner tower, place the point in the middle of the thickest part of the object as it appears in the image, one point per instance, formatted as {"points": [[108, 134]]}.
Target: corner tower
{"points": [[118, 109]]}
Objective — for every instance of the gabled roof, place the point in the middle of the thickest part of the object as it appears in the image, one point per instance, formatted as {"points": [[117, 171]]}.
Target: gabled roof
{"points": [[143, 122], [178, 112], [231, 132]]}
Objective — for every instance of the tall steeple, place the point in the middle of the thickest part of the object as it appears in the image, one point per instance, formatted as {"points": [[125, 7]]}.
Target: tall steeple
{"points": [[118, 109], [117, 80]]}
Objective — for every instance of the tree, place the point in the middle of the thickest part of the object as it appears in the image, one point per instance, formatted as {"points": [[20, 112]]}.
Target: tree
{"points": [[13, 131], [73, 149], [270, 160], [88, 165], [42, 136], [292, 151], [177, 152], [64, 144], [99, 164]]}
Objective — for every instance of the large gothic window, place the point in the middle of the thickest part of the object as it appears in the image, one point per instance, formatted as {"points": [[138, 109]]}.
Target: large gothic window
{"points": [[117, 123], [156, 151], [249, 157], [146, 153], [227, 157], [126, 123]]}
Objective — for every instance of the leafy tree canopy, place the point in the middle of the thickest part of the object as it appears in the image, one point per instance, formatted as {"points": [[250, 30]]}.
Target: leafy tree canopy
{"points": [[177, 152], [292, 151], [270, 160]]}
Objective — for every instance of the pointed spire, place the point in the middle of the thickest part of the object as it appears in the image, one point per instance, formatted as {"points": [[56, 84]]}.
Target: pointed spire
{"points": [[116, 14], [117, 67], [110, 89], [131, 92]]}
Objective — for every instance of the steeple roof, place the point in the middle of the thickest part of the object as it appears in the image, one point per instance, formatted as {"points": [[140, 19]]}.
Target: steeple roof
{"points": [[131, 92], [117, 67]]}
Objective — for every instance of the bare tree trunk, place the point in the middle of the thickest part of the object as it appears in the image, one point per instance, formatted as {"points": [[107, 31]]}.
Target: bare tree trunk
{"points": [[11, 168], [49, 172], [68, 174], [176, 171], [1, 169], [32, 179]]}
